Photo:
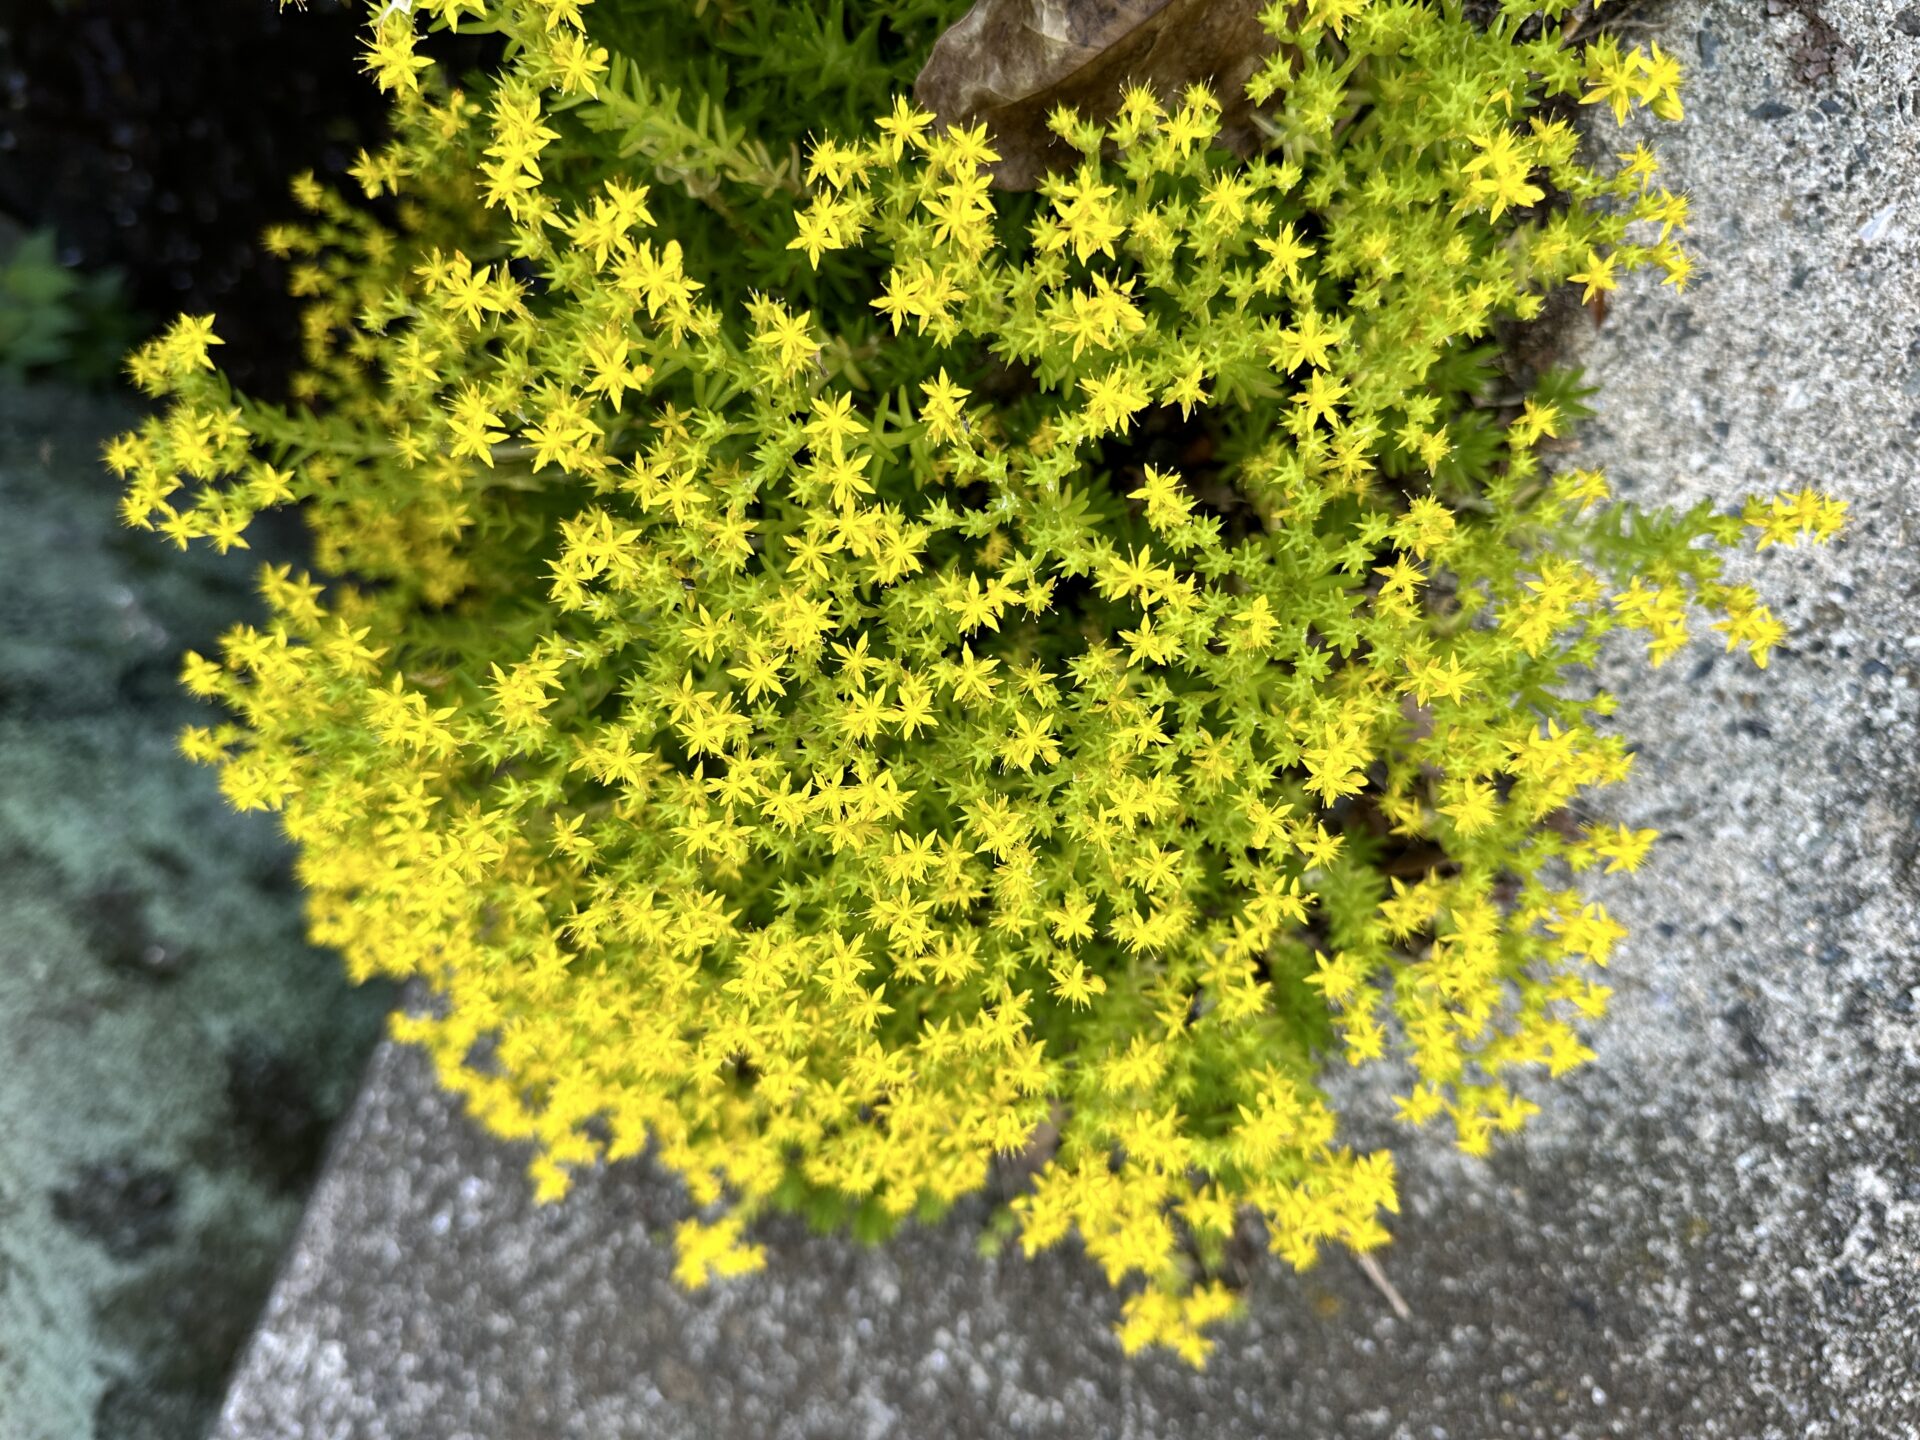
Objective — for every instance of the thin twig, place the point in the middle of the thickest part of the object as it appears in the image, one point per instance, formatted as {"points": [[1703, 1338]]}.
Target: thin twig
{"points": [[1370, 1267]]}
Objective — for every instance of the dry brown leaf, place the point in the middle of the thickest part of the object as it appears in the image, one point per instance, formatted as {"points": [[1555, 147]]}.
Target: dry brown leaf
{"points": [[1009, 63]]}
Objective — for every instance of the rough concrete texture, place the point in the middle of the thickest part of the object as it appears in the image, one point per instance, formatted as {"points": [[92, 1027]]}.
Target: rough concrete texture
{"points": [[1712, 1232], [170, 1052]]}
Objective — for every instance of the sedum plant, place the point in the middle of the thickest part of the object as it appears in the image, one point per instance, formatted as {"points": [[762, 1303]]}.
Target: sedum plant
{"points": [[831, 674]]}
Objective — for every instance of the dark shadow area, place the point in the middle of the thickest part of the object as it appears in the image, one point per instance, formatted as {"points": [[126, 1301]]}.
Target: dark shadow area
{"points": [[159, 138]]}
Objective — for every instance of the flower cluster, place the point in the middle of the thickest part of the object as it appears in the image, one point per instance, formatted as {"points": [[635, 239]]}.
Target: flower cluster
{"points": [[832, 674]]}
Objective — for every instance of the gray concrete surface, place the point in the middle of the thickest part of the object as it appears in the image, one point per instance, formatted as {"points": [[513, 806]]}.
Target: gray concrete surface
{"points": [[1712, 1232], [171, 1053]]}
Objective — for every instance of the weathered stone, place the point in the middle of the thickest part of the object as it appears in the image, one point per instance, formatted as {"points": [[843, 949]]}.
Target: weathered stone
{"points": [[1714, 1231]]}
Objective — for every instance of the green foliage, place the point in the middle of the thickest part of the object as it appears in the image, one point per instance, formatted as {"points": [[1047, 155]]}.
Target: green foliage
{"points": [[832, 674], [56, 320]]}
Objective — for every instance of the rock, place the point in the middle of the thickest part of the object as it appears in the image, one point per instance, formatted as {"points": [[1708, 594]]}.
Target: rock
{"points": [[1009, 65], [1713, 1232]]}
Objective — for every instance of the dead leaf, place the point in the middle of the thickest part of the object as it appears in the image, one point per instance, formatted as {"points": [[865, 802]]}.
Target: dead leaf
{"points": [[1009, 63]]}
